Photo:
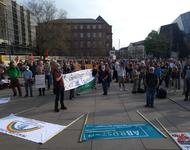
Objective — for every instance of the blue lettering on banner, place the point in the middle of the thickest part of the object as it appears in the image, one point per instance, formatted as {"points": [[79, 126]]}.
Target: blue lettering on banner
{"points": [[118, 131]]}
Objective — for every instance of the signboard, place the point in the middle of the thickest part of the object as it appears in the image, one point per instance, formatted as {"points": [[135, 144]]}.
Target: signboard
{"points": [[29, 129], [118, 131], [182, 139], [78, 78], [40, 81]]}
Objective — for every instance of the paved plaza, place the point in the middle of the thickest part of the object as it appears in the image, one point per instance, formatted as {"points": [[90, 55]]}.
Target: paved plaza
{"points": [[118, 107]]}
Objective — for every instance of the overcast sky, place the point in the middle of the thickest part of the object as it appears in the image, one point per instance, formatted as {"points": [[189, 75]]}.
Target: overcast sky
{"points": [[131, 20]]}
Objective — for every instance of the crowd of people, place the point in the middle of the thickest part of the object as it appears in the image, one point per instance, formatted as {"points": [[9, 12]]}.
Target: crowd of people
{"points": [[148, 75]]}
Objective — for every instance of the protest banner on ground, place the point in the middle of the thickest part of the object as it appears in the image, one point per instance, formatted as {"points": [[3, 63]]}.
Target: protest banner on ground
{"points": [[118, 131], [29, 129], [40, 81], [4, 100], [78, 78], [182, 139]]}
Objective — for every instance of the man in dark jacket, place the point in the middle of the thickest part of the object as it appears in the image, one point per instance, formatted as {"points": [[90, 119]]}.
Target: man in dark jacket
{"points": [[59, 88], [151, 83]]}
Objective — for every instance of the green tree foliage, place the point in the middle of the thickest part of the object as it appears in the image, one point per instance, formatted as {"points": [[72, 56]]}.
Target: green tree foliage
{"points": [[156, 45]]}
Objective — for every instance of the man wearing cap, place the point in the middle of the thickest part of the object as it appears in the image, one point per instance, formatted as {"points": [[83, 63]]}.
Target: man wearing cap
{"points": [[151, 83]]}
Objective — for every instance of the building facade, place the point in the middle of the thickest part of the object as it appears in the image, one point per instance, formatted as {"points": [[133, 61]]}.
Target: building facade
{"points": [[175, 39], [183, 22], [19, 24], [76, 37]]}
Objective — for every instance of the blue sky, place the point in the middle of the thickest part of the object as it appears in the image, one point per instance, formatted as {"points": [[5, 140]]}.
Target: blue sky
{"points": [[131, 20]]}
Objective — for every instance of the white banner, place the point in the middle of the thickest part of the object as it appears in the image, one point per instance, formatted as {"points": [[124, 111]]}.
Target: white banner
{"points": [[78, 78], [40, 81], [182, 139], [4, 100], [29, 129]]}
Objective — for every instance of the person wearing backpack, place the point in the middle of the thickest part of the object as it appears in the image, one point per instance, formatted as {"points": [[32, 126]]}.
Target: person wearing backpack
{"points": [[14, 73]]}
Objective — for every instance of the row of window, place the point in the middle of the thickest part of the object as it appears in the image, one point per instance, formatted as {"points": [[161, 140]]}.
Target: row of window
{"points": [[94, 26], [88, 35], [90, 44]]}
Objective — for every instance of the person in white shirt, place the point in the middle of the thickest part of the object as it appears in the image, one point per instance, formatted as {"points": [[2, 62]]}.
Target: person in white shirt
{"points": [[121, 76]]}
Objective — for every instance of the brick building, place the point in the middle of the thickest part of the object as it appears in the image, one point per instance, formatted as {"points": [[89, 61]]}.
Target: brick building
{"points": [[75, 37]]}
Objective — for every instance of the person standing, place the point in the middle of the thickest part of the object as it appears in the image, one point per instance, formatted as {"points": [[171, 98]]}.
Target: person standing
{"points": [[40, 71], [27, 74], [14, 73], [59, 88], [47, 69], [186, 74], [105, 78], [151, 83], [121, 76]]}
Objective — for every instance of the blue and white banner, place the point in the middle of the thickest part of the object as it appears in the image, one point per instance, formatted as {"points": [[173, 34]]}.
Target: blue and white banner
{"points": [[29, 129], [118, 131]]}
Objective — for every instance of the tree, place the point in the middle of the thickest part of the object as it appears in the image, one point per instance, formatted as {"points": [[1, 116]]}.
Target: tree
{"points": [[156, 45], [45, 10], [49, 34]]}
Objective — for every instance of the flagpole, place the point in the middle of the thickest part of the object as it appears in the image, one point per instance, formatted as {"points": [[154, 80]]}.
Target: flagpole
{"points": [[151, 124], [82, 131]]}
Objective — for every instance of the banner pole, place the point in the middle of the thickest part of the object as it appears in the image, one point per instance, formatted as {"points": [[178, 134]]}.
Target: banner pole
{"points": [[151, 124], [80, 140], [164, 128], [75, 120], [65, 127]]}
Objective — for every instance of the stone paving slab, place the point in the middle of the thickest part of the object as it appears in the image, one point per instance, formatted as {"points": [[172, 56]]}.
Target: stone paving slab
{"points": [[117, 107]]}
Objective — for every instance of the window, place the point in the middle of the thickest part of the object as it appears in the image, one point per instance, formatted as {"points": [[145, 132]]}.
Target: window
{"points": [[100, 35], [81, 27], [99, 26], [81, 35], [89, 44], [88, 35], [88, 26], [94, 35], [94, 26], [75, 27]]}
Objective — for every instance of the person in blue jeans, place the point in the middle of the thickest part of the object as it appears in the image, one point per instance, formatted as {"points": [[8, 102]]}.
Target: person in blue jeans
{"points": [[151, 83], [105, 79]]}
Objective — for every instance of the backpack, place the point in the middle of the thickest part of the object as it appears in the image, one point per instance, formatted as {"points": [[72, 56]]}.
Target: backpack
{"points": [[161, 93]]}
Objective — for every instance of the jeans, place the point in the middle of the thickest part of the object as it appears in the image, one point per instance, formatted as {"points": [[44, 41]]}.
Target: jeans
{"points": [[28, 85], [59, 91], [150, 93], [105, 86], [48, 78]]}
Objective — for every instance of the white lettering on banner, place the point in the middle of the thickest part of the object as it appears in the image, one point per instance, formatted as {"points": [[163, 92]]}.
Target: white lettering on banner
{"points": [[78, 78], [40, 81]]}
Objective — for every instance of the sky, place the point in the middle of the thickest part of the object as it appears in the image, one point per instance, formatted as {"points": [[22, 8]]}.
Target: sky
{"points": [[131, 20]]}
